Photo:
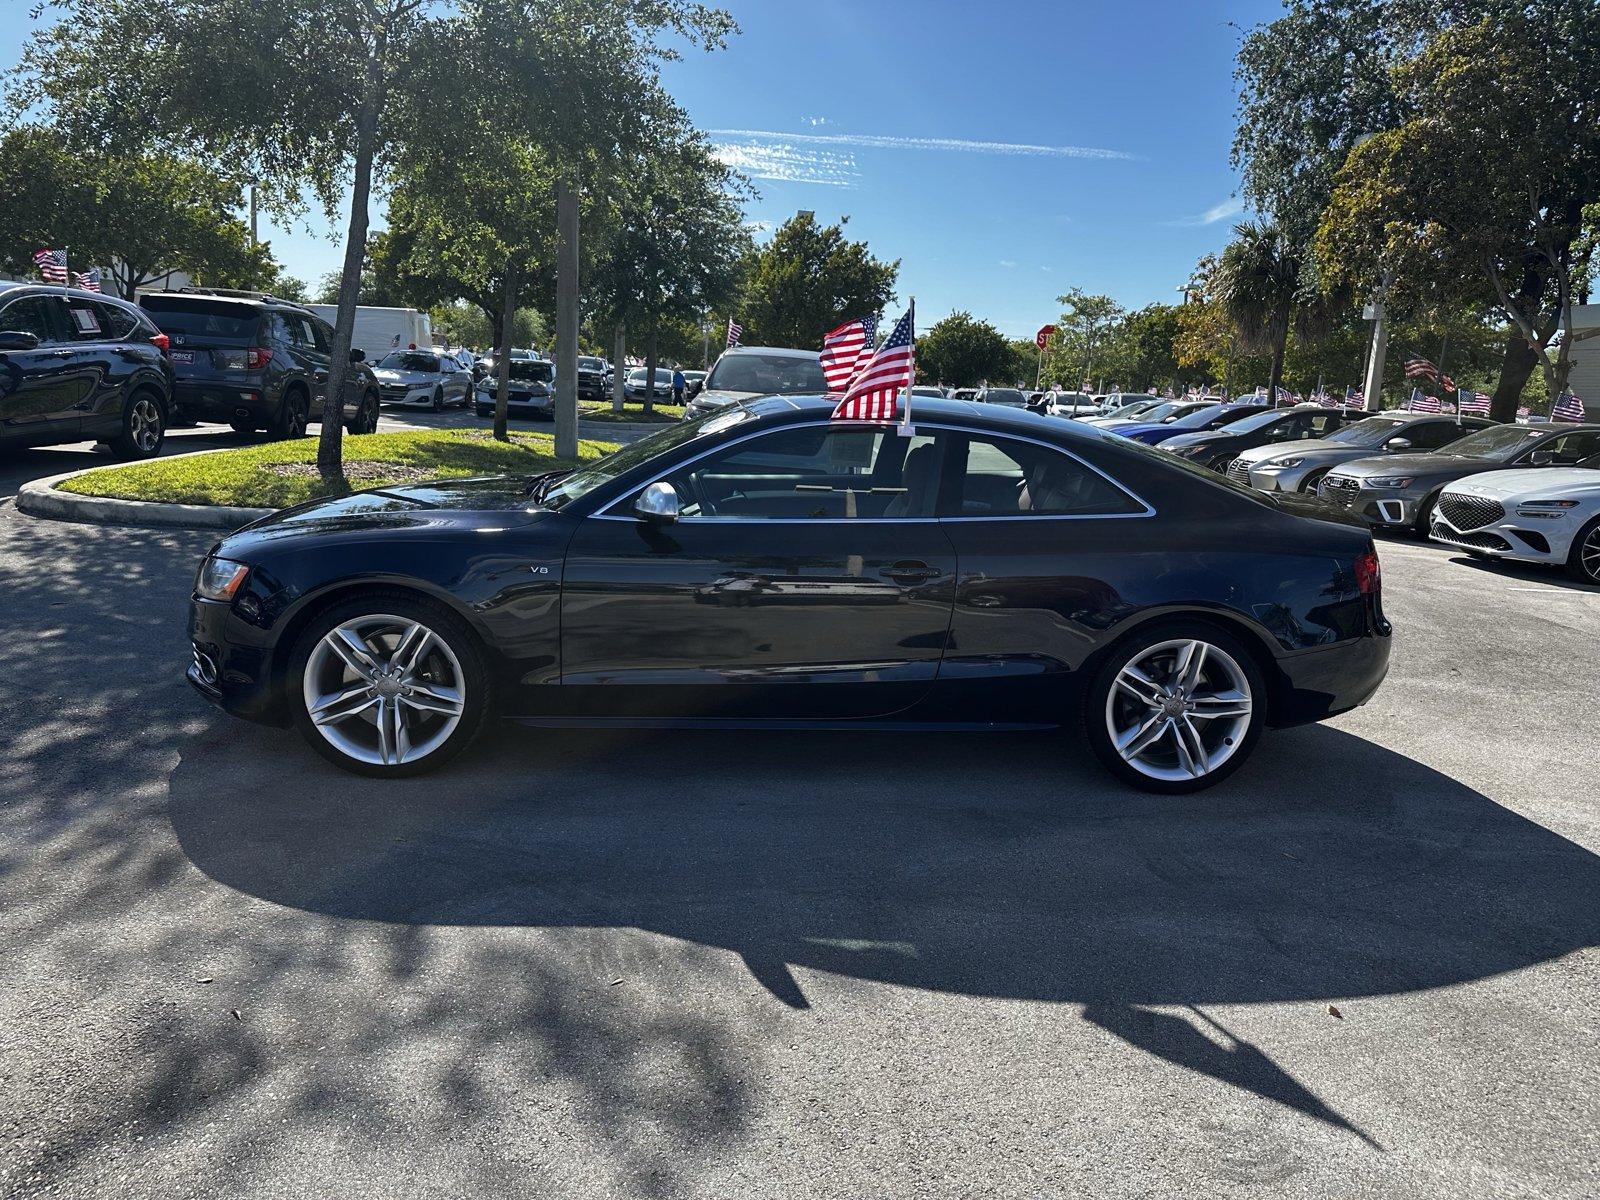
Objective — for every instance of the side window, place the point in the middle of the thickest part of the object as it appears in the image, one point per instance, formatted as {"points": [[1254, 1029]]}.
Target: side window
{"points": [[321, 336], [1003, 477], [816, 473], [1321, 424], [1573, 447], [119, 322], [299, 335], [1430, 435], [1287, 429], [275, 330], [87, 320], [29, 315]]}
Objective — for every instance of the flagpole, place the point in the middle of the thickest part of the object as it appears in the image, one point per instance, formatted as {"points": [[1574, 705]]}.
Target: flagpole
{"points": [[911, 376]]}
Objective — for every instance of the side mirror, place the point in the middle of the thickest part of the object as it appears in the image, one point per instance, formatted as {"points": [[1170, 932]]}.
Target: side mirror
{"points": [[696, 387], [16, 339], [357, 354], [1542, 458], [1395, 445], [657, 504]]}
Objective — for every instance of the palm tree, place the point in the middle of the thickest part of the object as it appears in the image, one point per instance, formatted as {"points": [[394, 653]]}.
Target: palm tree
{"points": [[1260, 283]]}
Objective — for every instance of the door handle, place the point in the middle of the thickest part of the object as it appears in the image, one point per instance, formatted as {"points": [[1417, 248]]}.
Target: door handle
{"points": [[910, 572]]}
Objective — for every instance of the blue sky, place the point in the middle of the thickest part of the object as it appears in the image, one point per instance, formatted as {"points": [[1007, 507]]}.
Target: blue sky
{"points": [[1002, 152]]}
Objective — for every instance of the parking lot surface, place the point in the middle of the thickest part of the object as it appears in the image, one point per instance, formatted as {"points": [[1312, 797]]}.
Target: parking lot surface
{"points": [[771, 965]]}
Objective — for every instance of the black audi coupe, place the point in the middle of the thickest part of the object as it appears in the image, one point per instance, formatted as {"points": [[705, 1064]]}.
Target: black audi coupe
{"points": [[765, 566]]}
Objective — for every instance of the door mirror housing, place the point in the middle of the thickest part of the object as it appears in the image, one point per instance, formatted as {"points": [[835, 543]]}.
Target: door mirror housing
{"points": [[1542, 458], [16, 339], [1395, 445], [357, 354], [657, 504]]}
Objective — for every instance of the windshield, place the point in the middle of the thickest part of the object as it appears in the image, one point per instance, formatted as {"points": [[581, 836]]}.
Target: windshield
{"points": [[1255, 421], [202, 318], [1500, 444], [1004, 396], [767, 375], [1374, 431], [532, 372], [634, 454], [662, 377], [590, 364], [1200, 418], [409, 360]]}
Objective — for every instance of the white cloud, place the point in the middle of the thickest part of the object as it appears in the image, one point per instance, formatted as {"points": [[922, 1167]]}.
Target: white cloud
{"points": [[788, 164], [874, 141], [1008, 263], [1230, 207], [816, 121]]}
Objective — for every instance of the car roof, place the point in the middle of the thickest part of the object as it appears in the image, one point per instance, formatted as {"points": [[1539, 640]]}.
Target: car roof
{"points": [[262, 301], [12, 286], [1000, 419], [779, 351]]}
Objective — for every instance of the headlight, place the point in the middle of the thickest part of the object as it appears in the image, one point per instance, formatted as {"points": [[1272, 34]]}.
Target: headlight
{"points": [[1389, 481], [1192, 451], [220, 578], [1548, 510], [1562, 504], [1286, 463]]}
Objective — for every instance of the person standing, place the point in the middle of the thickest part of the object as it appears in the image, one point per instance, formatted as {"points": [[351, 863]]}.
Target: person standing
{"points": [[678, 384]]}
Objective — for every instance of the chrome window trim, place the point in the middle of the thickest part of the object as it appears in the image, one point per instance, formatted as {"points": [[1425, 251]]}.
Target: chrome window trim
{"points": [[605, 513]]}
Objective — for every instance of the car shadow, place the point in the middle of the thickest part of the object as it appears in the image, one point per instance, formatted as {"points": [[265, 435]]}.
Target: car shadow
{"points": [[990, 866], [1552, 576]]}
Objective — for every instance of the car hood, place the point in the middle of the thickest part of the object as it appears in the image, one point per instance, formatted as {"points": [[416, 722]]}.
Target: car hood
{"points": [[1205, 438], [721, 398], [1534, 483], [1130, 428], [1418, 466], [390, 375], [1314, 449]]}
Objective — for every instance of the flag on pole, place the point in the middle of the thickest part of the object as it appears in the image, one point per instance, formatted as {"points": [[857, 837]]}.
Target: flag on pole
{"points": [[1524, 413], [52, 265], [1421, 402], [1474, 404], [735, 332], [88, 280], [845, 350], [1354, 397], [1447, 383], [1568, 408], [877, 385], [1421, 368]]}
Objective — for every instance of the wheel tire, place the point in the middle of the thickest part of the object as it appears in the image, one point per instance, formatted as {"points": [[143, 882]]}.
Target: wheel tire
{"points": [[1228, 664], [438, 399], [294, 413], [1311, 482], [144, 427], [366, 418], [1423, 525], [457, 653], [1583, 563]]}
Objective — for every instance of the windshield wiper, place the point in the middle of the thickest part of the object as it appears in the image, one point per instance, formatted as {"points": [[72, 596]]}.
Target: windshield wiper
{"points": [[539, 487]]}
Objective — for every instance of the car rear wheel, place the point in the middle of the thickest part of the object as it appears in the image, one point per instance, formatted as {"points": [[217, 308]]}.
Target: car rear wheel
{"points": [[1583, 563], [438, 399], [1175, 708], [144, 427], [388, 685], [293, 415], [366, 418]]}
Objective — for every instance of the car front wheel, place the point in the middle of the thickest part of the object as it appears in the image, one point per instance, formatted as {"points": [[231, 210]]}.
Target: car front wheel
{"points": [[1175, 708], [388, 685], [1584, 561], [144, 427]]}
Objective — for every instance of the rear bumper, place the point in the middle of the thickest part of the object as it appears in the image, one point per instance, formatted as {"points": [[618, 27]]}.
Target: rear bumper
{"points": [[1324, 682], [211, 400]]}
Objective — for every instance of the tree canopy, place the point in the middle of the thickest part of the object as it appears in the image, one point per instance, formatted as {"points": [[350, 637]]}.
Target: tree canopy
{"points": [[960, 351], [809, 279]]}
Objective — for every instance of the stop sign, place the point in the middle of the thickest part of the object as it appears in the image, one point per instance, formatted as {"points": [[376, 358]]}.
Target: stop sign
{"points": [[1042, 338]]}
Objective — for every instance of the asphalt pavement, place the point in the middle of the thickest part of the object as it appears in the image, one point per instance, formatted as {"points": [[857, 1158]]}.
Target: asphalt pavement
{"points": [[829, 965]]}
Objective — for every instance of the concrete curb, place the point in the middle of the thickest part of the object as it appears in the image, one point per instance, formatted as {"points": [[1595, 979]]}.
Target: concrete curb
{"points": [[39, 498]]}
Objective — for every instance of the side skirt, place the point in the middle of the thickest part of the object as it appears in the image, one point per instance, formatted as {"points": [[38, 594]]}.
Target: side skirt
{"points": [[777, 724]]}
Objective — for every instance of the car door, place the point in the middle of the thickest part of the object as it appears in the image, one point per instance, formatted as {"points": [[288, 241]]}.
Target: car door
{"points": [[319, 353], [1044, 545], [37, 386], [805, 578], [96, 371]]}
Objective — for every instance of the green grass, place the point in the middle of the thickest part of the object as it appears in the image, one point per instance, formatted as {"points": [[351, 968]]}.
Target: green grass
{"points": [[278, 474], [633, 410]]}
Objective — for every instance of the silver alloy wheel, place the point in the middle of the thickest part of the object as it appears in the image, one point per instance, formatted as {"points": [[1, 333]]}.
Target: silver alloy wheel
{"points": [[1179, 709], [384, 689], [1589, 554], [144, 425]]}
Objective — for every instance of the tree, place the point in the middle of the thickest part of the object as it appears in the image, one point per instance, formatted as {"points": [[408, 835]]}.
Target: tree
{"points": [[1139, 348], [1085, 319], [809, 279], [309, 95], [138, 216], [960, 351], [1260, 283], [1492, 183]]}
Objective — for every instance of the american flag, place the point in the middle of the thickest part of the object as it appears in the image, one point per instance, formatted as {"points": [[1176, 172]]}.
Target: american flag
{"points": [[1421, 368], [845, 349], [1474, 404], [1354, 397], [1328, 400], [1447, 383], [1423, 403], [1524, 413], [88, 280], [735, 332], [877, 385], [1568, 408], [52, 265]]}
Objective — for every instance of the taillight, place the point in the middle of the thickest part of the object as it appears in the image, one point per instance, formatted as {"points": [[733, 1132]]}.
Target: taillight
{"points": [[257, 357], [161, 342], [1368, 574]]}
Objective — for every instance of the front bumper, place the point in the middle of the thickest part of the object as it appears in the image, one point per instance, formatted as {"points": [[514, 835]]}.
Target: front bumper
{"points": [[1513, 536], [421, 393], [1383, 509], [232, 665], [1267, 477], [518, 404]]}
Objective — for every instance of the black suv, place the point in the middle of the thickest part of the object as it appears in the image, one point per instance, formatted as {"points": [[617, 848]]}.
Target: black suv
{"points": [[76, 365], [591, 378], [254, 361]]}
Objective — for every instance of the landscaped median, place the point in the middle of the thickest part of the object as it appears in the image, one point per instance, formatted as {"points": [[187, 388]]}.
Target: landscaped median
{"points": [[633, 413], [228, 488]]}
